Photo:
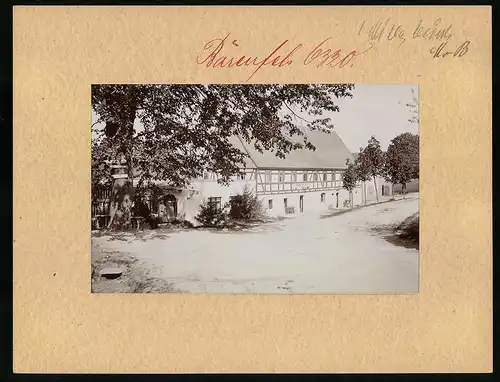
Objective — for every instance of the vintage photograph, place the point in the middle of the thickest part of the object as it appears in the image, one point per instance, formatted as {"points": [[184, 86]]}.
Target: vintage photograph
{"points": [[255, 189]]}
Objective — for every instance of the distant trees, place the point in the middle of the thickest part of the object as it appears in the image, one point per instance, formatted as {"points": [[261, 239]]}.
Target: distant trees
{"points": [[370, 162], [402, 160], [398, 165]]}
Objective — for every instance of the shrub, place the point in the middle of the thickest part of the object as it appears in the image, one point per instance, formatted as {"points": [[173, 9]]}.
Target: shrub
{"points": [[212, 216], [246, 206]]}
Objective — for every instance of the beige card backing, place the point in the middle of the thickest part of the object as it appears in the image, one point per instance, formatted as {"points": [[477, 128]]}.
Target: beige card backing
{"points": [[59, 326]]}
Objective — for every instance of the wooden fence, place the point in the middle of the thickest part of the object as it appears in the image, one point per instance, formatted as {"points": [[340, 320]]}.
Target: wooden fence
{"points": [[99, 208]]}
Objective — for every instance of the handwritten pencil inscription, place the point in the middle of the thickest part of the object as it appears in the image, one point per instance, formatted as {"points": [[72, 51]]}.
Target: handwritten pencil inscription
{"points": [[436, 31], [383, 30]]}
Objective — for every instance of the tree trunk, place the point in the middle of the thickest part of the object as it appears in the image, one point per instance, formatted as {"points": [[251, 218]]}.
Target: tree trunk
{"points": [[375, 184], [364, 192], [351, 199], [122, 194], [120, 206], [403, 190]]}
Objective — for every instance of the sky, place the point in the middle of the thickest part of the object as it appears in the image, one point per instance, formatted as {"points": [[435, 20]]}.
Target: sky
{"points": [[378, 110], [375, 109]]}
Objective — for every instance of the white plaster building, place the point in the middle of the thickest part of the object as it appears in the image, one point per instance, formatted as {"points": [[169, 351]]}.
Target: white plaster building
{"points": [[304, 181]]}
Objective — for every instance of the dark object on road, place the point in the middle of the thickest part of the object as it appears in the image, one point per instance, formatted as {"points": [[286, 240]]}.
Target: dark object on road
{"points": [[111, 273]]}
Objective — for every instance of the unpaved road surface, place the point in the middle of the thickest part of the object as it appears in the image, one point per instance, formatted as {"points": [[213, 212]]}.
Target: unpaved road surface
{"points": [[306, 254]]}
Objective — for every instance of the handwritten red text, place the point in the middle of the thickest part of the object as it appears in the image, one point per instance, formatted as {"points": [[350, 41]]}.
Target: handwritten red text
{"points": [[217, 53], [215, 59]]}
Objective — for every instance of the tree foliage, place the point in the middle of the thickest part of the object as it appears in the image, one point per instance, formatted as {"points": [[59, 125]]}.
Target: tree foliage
{"points": [[213, 216], [402, 159], [349, 177], [370, 160], [246, 206], [101, 157], [187, 128], [370, 163], [184, 130]]}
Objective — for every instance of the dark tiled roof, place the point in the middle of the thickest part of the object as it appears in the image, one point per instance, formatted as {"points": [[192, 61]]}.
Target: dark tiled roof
{"points": [[330, 153]]}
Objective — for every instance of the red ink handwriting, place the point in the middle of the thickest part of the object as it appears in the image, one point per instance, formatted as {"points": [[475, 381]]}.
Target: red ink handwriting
{"points": [[215, 60], [219, 53], [320, 56]]}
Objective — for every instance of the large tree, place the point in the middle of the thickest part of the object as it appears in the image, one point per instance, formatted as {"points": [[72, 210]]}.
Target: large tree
{"points": [[370, 163], [402, 160], [186, 129]]}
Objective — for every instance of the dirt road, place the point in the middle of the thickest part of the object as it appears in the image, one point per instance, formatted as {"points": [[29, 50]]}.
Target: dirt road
{"points": [[305, 254]]}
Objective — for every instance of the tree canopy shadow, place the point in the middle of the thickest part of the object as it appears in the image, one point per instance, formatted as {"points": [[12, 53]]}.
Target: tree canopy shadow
{"points": [[142, 235]]}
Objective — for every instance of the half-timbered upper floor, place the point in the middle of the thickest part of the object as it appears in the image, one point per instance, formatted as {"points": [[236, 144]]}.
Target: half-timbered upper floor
{"points": [[300, 171], [270, 181]]}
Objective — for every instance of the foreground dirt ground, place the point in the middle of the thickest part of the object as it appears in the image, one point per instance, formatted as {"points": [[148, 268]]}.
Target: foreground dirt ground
{"points": [[353, 252]]}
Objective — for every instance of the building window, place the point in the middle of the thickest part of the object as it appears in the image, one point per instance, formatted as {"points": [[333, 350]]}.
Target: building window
{"points": [[270, 204], [324, 177], [285, 202], [268, 176], [323, 197], [215, 202], [241, 176], [315, 176], [304, 177], [294, 177], [281, 177], [337, 176]]}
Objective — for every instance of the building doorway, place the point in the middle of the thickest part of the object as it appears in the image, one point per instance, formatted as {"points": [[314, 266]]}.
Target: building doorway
{"points": [[301, 203], [386, 190], [170, 202]]}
